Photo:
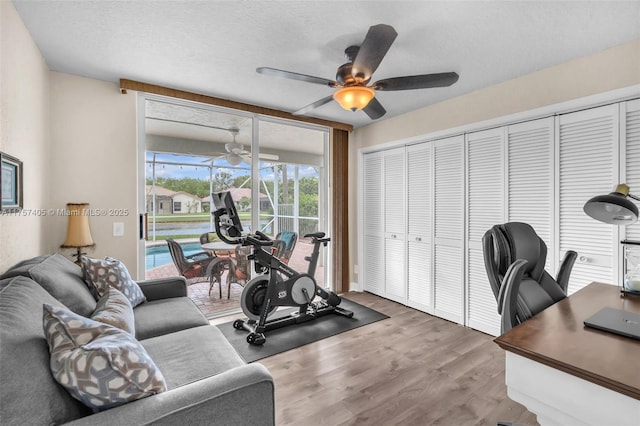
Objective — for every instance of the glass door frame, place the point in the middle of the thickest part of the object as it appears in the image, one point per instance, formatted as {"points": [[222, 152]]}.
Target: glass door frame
{"points": [[324, 211]]}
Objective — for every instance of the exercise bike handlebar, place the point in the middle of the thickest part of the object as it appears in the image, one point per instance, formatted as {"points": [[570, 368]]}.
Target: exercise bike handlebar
{"points": [[257, 239], [230, 229], [260, 241], [263, 237], [318, 237]]}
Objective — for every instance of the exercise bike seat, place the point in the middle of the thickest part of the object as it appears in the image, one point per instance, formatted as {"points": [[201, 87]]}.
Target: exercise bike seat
{"points": [[315, 235]]}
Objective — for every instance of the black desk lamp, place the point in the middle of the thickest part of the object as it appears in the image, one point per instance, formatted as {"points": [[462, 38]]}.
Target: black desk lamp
{"points": [[616, 208]]}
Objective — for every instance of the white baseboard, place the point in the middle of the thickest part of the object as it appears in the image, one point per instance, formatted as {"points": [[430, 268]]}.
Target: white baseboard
{"points": [[354, 286]]}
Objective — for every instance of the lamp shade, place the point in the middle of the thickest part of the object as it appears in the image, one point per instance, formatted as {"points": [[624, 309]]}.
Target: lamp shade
{"points": [[354, 98], [78, 231], [614, 208]]}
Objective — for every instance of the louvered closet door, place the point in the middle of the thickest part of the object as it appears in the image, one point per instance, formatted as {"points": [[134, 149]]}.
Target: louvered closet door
{"points": [[531, 180], [419, 226], [373, 224], [631, 175], [587, 167], [394, 224], [485, 206], [449, 228]]}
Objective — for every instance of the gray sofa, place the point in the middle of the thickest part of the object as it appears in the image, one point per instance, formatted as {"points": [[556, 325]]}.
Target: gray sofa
{"points": [[207, 382]]}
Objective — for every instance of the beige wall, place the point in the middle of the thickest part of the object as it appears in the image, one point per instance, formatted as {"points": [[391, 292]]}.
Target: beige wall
{"points": [[77, 140], [24, 133], [94, 160], [615, 68]]}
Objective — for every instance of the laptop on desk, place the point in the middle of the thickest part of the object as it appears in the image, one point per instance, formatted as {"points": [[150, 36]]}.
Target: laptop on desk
{"points": [[616, 321]]}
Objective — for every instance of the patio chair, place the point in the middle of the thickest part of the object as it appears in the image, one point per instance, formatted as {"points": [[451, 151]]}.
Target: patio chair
{"points": [[198, 267], [208, 237], [239, 268], [284, 251]]}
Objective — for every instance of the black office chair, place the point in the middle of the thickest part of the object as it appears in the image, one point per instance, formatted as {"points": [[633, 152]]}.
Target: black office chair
{"points": [[514, 257]]}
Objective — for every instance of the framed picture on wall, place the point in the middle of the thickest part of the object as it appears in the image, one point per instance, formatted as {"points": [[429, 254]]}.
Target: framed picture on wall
{"points": [[10, 183]]}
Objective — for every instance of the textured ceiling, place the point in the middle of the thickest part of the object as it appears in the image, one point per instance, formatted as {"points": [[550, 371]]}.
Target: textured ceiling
{"points": [[214, 47]]}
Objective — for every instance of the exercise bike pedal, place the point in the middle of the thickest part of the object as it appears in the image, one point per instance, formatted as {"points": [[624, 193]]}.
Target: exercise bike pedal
{"points": [[256, 338], [344, 312], [238, 324]]}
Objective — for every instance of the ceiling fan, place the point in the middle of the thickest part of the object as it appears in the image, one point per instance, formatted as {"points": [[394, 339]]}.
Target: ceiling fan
{"points": [[352, 77], [236, 154]]}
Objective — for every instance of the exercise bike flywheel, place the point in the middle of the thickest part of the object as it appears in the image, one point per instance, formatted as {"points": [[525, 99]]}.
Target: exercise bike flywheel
{"points": [[253, 297]]}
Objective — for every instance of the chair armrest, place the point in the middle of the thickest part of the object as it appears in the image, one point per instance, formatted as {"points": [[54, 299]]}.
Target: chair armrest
{"points": [[221, 399], [164, 288], [509, 294], [488, 253], [565, 269]]}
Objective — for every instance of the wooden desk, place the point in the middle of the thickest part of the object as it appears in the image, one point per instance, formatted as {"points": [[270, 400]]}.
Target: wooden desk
{"points": [[567, 373]]}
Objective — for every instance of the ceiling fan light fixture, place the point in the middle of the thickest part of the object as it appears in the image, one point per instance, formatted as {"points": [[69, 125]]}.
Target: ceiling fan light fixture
{"points": [[354, 98], [234, 159]]}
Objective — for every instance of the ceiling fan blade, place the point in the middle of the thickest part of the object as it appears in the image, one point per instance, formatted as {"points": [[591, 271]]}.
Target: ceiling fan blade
{"points": [[314, 105], [424, 81], [296, 76], [264, 156], [375, 46], [374, 109]]}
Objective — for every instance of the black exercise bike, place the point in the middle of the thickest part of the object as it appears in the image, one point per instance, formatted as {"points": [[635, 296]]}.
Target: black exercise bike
{"points": [[278, 284]]}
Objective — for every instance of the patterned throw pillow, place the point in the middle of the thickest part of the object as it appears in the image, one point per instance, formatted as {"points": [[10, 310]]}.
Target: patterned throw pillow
{"points": [[100, 365], [115, 309], [110, 272]]}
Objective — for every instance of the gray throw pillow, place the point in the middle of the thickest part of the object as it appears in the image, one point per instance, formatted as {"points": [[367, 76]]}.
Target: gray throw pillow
{"points": [[100, 365], [110, 272], [115, 309], [62, 278]]}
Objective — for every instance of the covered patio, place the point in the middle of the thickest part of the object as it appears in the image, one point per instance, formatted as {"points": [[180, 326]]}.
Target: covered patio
{"points": [[212, 305]]}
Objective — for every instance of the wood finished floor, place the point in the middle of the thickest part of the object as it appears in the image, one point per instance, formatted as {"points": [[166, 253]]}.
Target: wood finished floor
{"points": [[410, 369]]}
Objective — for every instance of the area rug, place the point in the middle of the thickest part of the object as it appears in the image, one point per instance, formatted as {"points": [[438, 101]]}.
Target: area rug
{"points": [[293, 336]]}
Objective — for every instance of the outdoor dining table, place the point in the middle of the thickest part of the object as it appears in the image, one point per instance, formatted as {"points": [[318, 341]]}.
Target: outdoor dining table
{"points": [[217, 246]]}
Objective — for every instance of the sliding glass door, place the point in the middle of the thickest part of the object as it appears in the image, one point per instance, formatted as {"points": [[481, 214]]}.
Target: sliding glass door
{"points": [[275, 171], [293, 190]]}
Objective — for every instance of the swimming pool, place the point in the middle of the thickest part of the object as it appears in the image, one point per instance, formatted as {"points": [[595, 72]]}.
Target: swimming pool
{"points": [[159, 255]]}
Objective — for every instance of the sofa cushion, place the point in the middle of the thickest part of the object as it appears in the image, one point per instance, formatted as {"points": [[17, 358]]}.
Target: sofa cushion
{"points": [[62, 278], [110, 272], [100, 365], [190, 355], [28, 393], [22, 268], [162, 316], [115, 309]]}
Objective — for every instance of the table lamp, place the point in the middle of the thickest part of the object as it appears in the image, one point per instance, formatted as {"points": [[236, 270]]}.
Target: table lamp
{"points": [[616, 208], [78, 231]]}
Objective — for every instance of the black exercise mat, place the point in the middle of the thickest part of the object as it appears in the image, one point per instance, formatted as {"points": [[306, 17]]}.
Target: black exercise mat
{"points": [[296, 335]]}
